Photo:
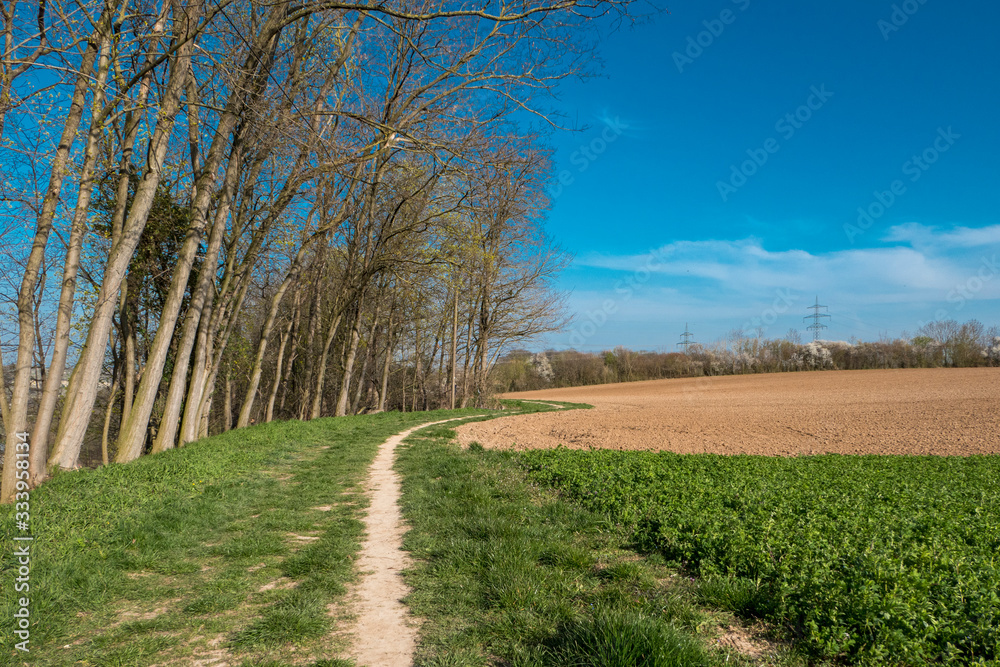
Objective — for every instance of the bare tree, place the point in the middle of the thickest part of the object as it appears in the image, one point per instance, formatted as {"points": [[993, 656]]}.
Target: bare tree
{"points": [[361, 157]]}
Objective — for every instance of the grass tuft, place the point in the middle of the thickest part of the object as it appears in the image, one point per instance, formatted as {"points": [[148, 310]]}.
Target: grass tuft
{"points": [[299, 615], [566, 557], [624, 639], [740, 595], [625, 572]]}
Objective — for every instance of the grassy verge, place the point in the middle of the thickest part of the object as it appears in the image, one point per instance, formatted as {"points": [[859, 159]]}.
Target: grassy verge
{"points": [[868, 560], [237, 548], [509, 574]]}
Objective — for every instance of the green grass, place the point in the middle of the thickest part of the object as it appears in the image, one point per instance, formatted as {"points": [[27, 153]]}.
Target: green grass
{"points": [[624, 638], [197, 550], [870, 560], [226, 549], [507, 574]]}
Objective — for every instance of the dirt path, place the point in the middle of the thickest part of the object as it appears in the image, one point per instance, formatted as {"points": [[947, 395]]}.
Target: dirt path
{"points": [[385, 635], [557, 406]]}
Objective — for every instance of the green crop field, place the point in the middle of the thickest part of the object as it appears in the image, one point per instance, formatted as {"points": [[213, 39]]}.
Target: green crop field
{"points": [[867, 560]]}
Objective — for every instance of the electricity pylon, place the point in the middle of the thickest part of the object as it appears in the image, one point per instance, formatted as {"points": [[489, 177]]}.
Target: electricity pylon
{"points": [[686, 341], [817, 319]]}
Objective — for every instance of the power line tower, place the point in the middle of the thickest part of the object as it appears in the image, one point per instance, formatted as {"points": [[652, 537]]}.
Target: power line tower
{"points": [[817, 319], [686, 341]]}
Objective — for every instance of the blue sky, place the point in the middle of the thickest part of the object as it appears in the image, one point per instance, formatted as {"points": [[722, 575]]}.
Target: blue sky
{"points": [[741, 158]]}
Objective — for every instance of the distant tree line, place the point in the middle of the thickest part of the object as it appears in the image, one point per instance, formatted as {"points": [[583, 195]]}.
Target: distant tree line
{"points": [[936, 345]]}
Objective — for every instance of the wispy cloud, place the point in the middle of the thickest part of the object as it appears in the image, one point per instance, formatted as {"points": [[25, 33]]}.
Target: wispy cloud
{"points": [[727, 283], [930, 260], [922, 236]]}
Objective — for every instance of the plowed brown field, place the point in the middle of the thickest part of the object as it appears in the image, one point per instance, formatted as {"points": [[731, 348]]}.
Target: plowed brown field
{"points": [[913, 411]]}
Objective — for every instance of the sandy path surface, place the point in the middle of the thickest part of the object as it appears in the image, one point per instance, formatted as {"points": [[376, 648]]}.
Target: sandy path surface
{"points": [[385, 634], [912, 411]]}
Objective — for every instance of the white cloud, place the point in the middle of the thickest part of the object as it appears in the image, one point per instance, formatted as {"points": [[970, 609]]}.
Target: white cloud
{"points": [[725, 283], [923, 236], [929, 260]]}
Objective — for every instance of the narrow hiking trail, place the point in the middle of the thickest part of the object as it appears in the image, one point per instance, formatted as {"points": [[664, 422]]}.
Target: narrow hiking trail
{"points": [[385, 634]]}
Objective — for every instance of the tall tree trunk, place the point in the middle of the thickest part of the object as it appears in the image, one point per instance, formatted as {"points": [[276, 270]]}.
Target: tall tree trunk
{"points": [[293, 340], [418, 365], [413, 389], [107, 419], [384, 387], [18, 413], [203, 409], [386, 364], [310, 338], [265, 334], [362, 379], [131, 364], [132, 435], [4, 404], [130, 440], [331, 333], [227, 322], [468, 358], [285, 335], [438, 342], [200, 300], [454, 352], [53, 383], [352, 352], [206, 364], [192, 402], [81, 392], [227, 406], [205, 415], [441, 377], [482, 348]]}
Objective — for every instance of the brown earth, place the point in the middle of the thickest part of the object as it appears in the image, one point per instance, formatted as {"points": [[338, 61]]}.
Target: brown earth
{"points": [[913, 411]]}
